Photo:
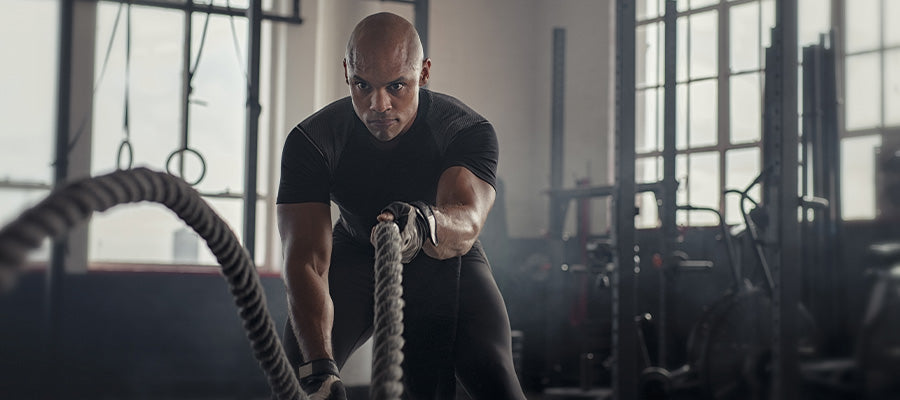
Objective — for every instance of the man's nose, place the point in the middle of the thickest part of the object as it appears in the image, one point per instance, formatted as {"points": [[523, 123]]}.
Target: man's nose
{"points": [[381, 101]]}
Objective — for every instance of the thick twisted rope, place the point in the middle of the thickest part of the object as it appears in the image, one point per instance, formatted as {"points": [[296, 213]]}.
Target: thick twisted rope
{"points": [[388, 342], [69, 206]]}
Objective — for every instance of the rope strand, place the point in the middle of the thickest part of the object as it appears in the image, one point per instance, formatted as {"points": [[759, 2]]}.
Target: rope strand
{"points": [[74, 203]]}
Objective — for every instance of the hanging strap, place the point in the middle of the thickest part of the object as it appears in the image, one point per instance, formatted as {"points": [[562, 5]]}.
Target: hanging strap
{"points": [[125, 146]]}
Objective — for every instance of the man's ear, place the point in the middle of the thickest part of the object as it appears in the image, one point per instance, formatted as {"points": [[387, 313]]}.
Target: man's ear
{"points": [[346, 78], [426, 72]]}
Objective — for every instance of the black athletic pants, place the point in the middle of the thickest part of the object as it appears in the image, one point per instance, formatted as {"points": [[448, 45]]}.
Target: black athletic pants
{"points": [[455, 322]]}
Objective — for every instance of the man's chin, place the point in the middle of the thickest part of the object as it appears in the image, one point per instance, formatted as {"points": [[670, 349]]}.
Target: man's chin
{"points": [[382, 134]]}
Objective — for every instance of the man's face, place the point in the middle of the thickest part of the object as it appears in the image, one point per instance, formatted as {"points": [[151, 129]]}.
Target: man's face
{"points": [[385, 93]]}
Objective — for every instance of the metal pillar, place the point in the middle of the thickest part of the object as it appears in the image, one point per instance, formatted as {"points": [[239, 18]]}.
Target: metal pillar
{"points": [[780, 143], [56, 271], [421, 22], [670, 184], [624, 302], [557, 133], [251, 145]]}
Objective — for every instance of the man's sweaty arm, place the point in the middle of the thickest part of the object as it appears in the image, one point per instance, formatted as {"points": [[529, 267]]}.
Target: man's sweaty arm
{"points": [[463, 203], [306, 241]]}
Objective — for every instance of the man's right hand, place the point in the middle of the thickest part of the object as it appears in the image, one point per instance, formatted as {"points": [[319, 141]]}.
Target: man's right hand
{"points": [[320, 380]]}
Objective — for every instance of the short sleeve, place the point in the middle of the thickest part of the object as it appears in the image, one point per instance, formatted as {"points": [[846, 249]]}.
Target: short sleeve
{"points": [[476, 149], [304, 172]]}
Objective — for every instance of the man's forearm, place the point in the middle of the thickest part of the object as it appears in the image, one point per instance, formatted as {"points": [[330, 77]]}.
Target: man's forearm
{"points": [[312, 312], [457, 229]]}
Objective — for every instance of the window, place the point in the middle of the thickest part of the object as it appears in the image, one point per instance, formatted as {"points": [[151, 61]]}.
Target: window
{"points": [[718, 96], [872, 94], [27, 105], [216, 127], [719, 86]]}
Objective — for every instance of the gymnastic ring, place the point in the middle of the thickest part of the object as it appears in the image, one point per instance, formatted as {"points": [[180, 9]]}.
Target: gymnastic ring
{"points": [[187, 150], [126, 144]]}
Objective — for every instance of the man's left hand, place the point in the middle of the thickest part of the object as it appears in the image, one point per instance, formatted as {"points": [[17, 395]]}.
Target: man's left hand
{"points": [[416, 222]]}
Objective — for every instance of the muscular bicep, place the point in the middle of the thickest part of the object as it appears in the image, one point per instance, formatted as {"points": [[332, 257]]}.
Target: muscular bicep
{"points": [[305, 230], [459, 188]]}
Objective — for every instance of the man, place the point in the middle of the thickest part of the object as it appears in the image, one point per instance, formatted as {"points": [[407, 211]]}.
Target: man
{"points": [[393, 152]]}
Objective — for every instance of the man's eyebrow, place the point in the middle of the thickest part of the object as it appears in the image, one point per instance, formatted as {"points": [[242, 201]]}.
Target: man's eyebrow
{"points": [[358, 79]]}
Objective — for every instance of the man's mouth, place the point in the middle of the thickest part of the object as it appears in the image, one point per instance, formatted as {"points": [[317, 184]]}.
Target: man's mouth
{"points": [[382, 123]]}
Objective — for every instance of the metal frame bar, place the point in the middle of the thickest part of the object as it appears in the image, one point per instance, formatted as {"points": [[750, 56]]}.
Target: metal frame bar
{"points": [[251, 144], [189, 6], [557, 128], [697, 10], [56, 272], [624, 300], [783, 204], [669, 181]]}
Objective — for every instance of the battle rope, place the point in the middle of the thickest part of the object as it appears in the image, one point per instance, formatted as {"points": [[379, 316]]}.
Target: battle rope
{"points": [[388, 342], [72, 204]]}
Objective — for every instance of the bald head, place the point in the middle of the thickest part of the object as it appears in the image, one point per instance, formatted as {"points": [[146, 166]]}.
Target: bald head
{"points": [[384, 37]]}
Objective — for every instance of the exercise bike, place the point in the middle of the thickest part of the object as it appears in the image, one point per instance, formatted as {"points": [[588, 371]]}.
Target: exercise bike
{"points": [[729, 349]]}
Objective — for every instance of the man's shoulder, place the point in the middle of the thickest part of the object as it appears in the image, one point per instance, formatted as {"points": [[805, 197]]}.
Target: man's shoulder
{"points": [[451, 115], [446, 106], [328, 128], [332, 116]]}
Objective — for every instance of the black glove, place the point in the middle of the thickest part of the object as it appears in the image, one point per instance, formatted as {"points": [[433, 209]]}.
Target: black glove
{"points": [[320, 380], [417, 224]]}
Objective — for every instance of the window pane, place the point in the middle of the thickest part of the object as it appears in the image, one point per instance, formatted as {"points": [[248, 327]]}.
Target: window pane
{"points": [[114, 238], [681, 195], [891, 30], [863, 106], [862, 25], [155, 125], [28, 89], [703, 186], [703, 115], [648, 55], [681, 116], [892, 88], [266, 129], [767, 9], [742, 166], [646, 121], [681, 49], [744, 37], [648, 169], [815, 20], [745, 108], [647, 9], [218, 103], [649, 211], [858, 177], [702, 3], [155, 87], [704, 51]]}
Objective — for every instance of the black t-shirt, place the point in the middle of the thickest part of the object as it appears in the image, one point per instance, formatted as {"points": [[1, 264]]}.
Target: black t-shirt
{"points": [[332, 156]]}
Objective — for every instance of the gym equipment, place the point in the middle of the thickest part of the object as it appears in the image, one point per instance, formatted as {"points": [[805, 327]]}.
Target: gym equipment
{"points": [[729, 349]]}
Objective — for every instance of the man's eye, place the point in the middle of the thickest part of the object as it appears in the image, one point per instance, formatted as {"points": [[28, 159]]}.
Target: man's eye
{"points": [[397, 86], [362, 85]]}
